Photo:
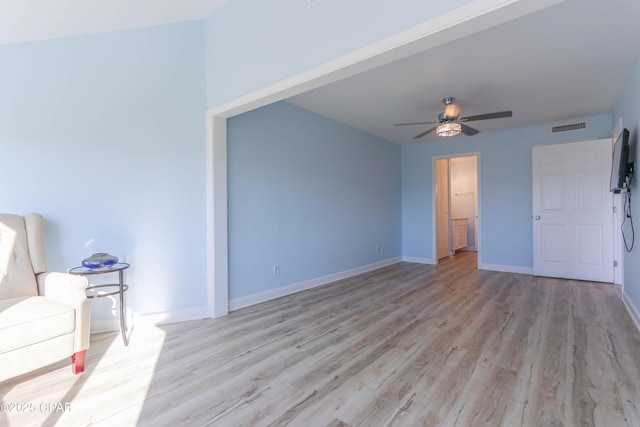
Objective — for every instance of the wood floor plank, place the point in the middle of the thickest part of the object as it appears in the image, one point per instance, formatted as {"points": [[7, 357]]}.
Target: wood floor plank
{"points": [[405, 345]]}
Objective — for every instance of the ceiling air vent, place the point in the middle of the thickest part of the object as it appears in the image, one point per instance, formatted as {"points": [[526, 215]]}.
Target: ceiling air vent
{"points": [[572, 126]]}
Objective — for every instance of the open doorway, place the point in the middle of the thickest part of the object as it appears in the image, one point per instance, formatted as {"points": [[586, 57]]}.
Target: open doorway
{"points": [[456, 195]]}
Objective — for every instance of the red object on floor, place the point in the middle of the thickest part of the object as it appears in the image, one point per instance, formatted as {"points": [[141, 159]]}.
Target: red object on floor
{"points": [[77, 361]]}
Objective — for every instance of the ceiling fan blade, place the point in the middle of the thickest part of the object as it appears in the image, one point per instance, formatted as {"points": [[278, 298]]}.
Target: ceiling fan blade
{"points": [[415, 123], [425, 132], [498, 115], [468, 130]]}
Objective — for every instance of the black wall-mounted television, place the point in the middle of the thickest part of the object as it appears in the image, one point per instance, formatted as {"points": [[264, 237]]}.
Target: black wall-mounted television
{"points": [[620, 165]]}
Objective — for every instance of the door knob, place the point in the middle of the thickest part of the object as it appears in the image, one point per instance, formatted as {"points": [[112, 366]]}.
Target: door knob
{"points": [[537, 217]]}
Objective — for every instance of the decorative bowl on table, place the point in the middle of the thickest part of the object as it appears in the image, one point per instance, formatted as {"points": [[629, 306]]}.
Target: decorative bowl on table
{"points": [[100, 260]]}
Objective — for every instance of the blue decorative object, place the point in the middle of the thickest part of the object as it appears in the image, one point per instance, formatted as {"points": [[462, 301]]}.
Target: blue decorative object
{"points": [[99, 260]]}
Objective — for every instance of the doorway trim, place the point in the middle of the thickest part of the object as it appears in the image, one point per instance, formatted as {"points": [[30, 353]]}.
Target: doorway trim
{"points": [[618, 218], [476, 16], [434, 240]]}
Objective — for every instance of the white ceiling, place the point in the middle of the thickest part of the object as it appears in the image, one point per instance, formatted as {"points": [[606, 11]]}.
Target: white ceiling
{"points": [[563, 62], [566, 61]]}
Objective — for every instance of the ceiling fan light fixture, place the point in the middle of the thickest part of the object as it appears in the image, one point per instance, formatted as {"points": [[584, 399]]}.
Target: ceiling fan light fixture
{"points": [[448, 129]]}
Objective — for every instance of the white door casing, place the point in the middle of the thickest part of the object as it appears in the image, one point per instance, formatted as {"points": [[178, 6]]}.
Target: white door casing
{"points": [[573, 211]]}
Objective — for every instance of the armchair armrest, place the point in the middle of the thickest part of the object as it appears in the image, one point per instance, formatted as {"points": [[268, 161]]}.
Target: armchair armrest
{"points": [[69, 289], [63, 287]]}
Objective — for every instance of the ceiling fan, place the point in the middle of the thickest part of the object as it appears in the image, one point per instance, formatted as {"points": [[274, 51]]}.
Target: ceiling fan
{"points": [[450, 124]]}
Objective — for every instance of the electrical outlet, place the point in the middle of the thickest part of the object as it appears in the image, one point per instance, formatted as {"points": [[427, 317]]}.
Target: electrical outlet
{"points": [[276, 270], [381, 249]]}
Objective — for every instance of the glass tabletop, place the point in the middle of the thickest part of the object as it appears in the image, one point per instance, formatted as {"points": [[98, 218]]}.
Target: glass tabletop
{"points": [[84, 270]]}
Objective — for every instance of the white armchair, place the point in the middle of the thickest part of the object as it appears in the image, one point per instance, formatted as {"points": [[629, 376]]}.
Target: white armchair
{"points": [[44, 317]]}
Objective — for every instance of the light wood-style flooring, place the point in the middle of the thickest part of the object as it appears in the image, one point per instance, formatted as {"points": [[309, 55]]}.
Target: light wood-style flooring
{"points": [[406, 345]]}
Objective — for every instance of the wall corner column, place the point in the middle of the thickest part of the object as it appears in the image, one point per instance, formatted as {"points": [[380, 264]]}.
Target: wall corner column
{"points": [[217, 236]]}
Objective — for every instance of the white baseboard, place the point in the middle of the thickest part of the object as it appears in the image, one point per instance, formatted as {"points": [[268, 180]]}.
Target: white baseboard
{"points": [[506, 268], [238, 303], [177, 316], [633, 312], [417, 260], [104, 325], [113, 324]]}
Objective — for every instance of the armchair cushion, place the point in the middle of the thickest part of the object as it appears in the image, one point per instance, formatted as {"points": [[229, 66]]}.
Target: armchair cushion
{"points": [[28, 320], [17, 277]]}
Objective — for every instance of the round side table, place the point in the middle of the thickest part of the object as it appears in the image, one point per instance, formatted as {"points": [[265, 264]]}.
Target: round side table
{"points": [[120, 288]]}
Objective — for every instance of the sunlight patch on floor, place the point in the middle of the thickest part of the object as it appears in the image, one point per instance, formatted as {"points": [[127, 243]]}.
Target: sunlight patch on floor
{"points": [[61, 398]]}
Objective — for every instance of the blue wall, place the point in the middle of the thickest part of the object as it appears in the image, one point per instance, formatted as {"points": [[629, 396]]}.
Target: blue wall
{"points": [[505, 189], [309, 194], [104, 135], [251, 44], [628, 108]]}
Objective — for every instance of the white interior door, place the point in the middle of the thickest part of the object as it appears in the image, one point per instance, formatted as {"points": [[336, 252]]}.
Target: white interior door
{"points": [[442, 208], [573, 211]]}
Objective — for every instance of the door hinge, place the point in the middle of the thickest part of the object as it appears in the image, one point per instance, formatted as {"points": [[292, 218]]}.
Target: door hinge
{"points": [[615, 263], [615, 209]]}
